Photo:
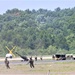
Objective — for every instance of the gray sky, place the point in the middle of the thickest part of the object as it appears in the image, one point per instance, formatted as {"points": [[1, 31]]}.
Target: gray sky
{"points": [[35, 4]]}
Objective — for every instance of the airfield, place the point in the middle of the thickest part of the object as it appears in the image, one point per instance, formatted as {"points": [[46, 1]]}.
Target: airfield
{"points": [[47, 66]]}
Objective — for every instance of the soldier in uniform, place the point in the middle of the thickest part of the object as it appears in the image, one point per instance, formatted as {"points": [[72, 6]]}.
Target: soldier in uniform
{"points": [[7, 63], [31, 62], [41, 57], [36, 58]]}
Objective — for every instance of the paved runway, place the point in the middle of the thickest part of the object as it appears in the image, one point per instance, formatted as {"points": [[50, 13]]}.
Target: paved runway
{"points": [[44, 61]]}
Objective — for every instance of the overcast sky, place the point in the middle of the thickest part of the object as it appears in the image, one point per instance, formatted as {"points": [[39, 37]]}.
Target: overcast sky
{"points": [[35, 4]]}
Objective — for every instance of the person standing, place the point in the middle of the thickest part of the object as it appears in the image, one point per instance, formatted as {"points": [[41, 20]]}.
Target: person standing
{"points": [[41, 57], [36, 58], [7, 63], [31, 62]]}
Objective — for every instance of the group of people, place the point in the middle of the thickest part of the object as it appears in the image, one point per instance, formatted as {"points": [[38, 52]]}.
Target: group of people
{"points": [[31, 62], [36, 58]]}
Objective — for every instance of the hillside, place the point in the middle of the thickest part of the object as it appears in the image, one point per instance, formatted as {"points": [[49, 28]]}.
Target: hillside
{"points": [[36, 32]]}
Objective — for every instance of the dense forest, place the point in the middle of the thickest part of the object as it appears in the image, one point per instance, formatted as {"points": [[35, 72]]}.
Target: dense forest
{"points": [[38, 32]]}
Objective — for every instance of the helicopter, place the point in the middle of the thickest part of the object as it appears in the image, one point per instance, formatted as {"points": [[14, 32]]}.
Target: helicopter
{"points": [[10, 54], [23, 57]]}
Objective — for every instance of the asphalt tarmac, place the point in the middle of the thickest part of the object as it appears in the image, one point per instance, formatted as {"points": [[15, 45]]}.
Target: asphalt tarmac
{"points": [[17, 61]]}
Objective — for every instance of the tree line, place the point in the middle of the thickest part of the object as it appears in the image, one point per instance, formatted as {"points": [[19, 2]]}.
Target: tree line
{"points": [[38, 32]]}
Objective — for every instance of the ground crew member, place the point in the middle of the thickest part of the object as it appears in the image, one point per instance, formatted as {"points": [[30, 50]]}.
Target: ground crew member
{"points": [[35, 58], [31, 62], [7, 63], [41, 58]]}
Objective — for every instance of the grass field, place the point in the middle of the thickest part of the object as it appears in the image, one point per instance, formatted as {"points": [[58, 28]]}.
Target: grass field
{"points": [[56, 68]]}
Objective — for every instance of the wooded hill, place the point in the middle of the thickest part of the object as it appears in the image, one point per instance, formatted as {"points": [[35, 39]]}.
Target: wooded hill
{"points": [[38, 32]]}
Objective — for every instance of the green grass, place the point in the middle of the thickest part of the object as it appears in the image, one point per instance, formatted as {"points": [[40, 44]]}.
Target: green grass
{"points": [[56, 68]]}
